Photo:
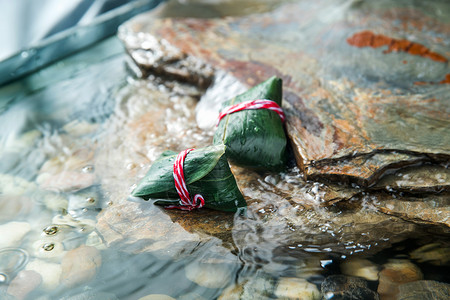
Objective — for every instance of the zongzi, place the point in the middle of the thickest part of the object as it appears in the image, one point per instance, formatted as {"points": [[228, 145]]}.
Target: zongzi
{"points": [[251, 127], [204, 173]]}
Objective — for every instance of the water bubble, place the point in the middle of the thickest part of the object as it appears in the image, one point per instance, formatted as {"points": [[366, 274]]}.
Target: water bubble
{"points": [[90, 200], [131, 166], [3, 278], [88, 169], [48, 246], [51, 230]]}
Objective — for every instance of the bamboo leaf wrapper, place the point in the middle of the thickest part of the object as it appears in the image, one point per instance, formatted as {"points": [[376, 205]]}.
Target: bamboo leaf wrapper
{"points": [[206, 172], [255, 138]]}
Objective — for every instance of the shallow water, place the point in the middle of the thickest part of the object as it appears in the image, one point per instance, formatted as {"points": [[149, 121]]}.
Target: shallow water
{"points": [[78, 135]]}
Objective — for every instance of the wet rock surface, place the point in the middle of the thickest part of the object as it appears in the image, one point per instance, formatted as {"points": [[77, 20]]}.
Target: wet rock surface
{"points": [[296, 288], [80, 265], [424, 289], [394, 274], [24, 283], [375, 132], [341, 124], [359, 267], [346, 288], [281, 214], [362, 183]]}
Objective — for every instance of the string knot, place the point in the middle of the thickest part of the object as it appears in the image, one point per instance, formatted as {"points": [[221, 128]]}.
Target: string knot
{"points": [[186, 202]]}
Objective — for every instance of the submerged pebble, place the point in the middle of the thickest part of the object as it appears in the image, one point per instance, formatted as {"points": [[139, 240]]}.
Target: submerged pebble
{"points": [[360, 267], [13, 206], [209, 275], [50, 272], [12, 233], [25, 282], [424, 290], [66, 181], [395, 273], [80, 265], [346, 287], [435, 254], [258, 287], [296, 288], [309, 267], [12, 185]]}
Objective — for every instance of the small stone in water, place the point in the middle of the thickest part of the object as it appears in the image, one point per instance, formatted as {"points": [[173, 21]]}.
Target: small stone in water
{"points": [[424, 290], [80, 265], [24, 283], [395, 273], [208, 275], [12, 233], [50, 272], [360, 268], [296, 288], [90, 200], [346, 287]]}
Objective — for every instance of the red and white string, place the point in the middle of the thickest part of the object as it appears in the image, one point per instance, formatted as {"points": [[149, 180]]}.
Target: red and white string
{"points": [[253, 104], [186, 202]]}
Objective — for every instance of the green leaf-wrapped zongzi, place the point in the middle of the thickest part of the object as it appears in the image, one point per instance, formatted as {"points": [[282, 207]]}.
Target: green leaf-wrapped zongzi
{"points": [[255, 137], [205, 173]]}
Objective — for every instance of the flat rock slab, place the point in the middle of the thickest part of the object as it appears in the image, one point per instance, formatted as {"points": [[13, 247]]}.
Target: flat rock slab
{"points": [[285, 213], [365, 84], [354, 114]]}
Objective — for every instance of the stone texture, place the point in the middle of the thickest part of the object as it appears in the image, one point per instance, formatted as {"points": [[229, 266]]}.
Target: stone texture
{"points": [[209, 275], [360, 267], [423, 209], [13, 207], [394, 274], [346, 288], [296, 288], [435, 253], [24, 283], [67, 172], [346, 117], [260, 287], [80, 265], [12, 233], [50, 272], [424, 290]]}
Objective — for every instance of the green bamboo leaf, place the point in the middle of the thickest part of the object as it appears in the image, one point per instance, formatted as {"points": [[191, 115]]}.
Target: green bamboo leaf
{"points": [[206, 173], [255, 138]]}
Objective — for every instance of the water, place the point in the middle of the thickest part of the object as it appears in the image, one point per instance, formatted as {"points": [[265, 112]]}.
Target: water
{"points": [[76, 138]]}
